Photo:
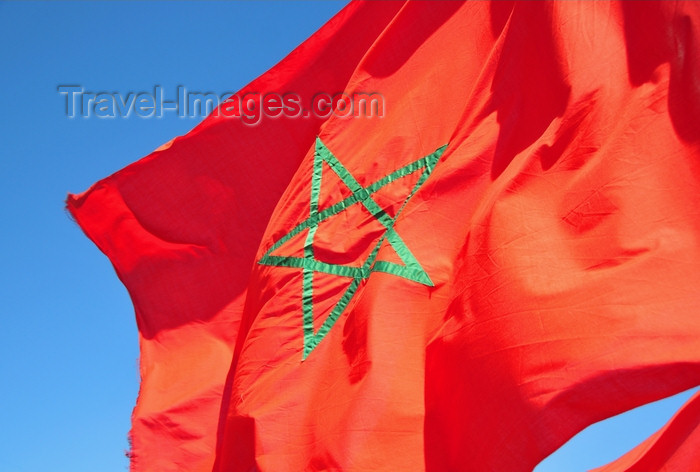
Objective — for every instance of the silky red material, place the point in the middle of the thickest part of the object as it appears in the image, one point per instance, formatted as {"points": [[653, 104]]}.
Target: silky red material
{"points": [[560, 230]]}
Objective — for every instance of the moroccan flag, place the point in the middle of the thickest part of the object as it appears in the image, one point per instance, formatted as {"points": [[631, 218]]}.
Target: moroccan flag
{"points": [[461, 276]]}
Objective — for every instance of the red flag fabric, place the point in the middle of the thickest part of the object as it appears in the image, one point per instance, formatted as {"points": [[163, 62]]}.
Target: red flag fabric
{"points": [[506, 255]]}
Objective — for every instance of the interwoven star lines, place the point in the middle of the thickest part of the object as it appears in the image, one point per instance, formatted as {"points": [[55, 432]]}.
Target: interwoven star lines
{"points": [[409, 268]]}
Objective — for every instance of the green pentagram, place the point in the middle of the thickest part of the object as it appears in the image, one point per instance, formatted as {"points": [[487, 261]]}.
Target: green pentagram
{"points": [[411, 270]]}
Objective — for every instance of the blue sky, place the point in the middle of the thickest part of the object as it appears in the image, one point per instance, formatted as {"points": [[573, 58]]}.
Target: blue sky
{"points": [[68, 343]]}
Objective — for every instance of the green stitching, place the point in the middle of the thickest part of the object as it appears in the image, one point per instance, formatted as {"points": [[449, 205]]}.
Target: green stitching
{"points": [[411, 270]]}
